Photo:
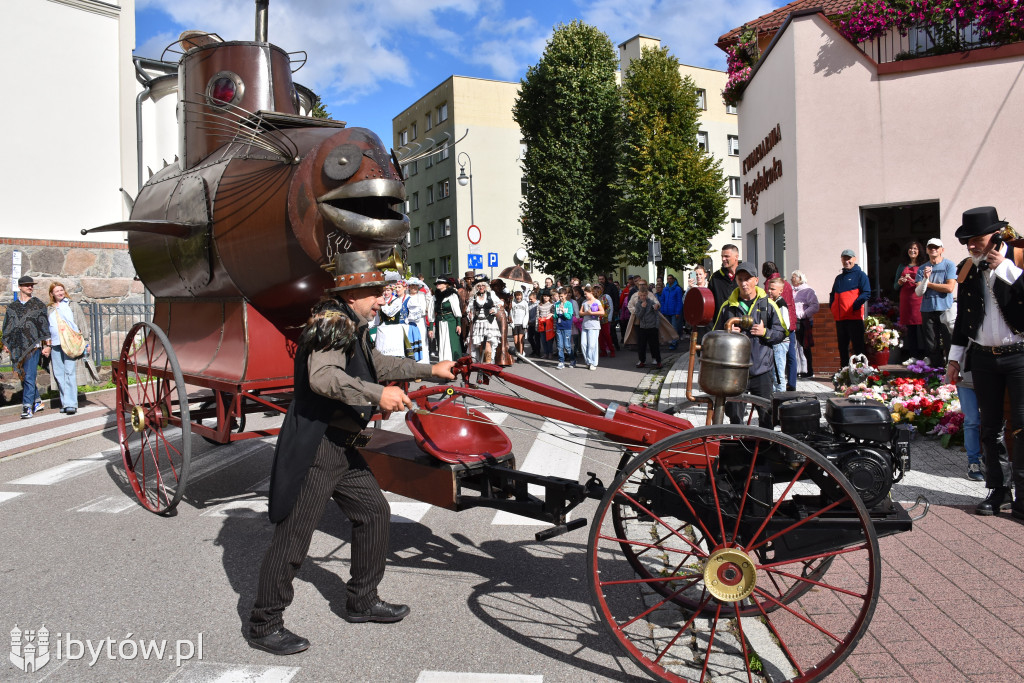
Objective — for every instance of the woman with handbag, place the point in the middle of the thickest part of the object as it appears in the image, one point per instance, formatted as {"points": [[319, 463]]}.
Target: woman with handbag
{"points": [[68, 345]]}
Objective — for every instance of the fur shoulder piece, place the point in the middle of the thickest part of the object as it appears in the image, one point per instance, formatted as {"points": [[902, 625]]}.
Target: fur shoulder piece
{"points": [[329, 328]]}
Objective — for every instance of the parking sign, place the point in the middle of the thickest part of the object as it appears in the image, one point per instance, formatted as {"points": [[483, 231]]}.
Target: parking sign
{"points": [[492, 259], [475, 260]]}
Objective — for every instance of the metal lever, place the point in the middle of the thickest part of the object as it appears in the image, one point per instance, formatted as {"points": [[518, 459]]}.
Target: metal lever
{"points": [[560, 529], [548, 374]]}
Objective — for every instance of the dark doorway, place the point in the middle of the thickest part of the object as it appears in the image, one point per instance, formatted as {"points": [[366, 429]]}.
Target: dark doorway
{"points": [[887, 230]]}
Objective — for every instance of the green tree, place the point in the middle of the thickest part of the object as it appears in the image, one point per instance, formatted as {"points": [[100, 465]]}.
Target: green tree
{"points": [[667, 186], [319, 110], [568, 111]]}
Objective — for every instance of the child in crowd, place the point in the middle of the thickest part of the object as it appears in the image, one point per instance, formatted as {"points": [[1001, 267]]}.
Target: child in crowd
{"points": [[546, 322], [775, 287], [520, 313], [531, 327], [565, 311]]}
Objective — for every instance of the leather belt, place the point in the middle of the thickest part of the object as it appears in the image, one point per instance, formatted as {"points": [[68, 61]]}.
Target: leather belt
{"points": [[1000, 350]]}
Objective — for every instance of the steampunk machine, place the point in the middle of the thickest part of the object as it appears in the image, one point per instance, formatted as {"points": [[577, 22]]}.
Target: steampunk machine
{"points": [[746, 552]]}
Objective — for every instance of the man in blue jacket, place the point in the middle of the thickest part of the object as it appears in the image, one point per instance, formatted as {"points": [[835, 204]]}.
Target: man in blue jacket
{"points": [[767, 331], [672, 306]]}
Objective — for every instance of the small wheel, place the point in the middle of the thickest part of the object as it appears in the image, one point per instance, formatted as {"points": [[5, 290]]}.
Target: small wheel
{"points": [[696, 411], [758, 558], [152, 404]]}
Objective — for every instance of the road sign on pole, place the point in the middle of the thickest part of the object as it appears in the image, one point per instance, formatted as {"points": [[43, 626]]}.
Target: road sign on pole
{"points": [[492, 259], [475, 261], [474, 235]]}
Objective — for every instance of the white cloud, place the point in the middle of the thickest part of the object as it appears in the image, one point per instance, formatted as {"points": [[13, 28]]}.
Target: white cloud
{"points": [[689, 28]]}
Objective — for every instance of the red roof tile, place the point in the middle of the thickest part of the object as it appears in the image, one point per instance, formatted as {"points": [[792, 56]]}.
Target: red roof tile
{"points": [[776, 18]]}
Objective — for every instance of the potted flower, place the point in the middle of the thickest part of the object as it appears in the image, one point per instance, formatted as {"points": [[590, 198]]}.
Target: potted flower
{"points": [[880, 336]]}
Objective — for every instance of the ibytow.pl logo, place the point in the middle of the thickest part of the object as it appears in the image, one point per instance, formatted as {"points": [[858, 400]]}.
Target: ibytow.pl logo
{"points": [[31, 650]]}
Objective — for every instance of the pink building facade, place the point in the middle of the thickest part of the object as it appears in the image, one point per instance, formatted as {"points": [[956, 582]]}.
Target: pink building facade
{"points": [[840, 152]]}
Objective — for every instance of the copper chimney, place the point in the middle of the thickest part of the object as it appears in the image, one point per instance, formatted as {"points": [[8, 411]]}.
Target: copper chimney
{"points": [[262, 11]]}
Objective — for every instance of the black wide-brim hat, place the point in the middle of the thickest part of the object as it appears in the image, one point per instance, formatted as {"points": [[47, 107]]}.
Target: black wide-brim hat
{"points": [[983, 220]]}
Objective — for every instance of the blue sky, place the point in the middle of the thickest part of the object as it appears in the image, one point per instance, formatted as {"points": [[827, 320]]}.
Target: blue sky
{"points": [[369, 60]]}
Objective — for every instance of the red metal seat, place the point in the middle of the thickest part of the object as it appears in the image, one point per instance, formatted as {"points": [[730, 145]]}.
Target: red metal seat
{"points": [[456, 434]]}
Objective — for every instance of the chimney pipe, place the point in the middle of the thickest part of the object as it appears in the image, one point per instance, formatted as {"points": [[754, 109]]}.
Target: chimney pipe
{"points": [[261, 20]]}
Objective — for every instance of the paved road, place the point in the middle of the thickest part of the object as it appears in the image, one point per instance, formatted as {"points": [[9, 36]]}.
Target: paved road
{"points": [[489, 602]]}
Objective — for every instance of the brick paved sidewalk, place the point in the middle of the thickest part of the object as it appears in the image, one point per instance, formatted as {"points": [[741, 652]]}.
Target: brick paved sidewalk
{"points": [[951, 606]]}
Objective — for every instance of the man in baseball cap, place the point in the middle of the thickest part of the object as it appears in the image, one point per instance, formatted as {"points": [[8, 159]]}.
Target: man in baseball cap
{"points": [[750, 300], [850, 291], [26, 334]]}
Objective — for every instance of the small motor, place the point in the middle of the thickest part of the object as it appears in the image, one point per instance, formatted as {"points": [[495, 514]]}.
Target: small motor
{"points": [[870, 470]]}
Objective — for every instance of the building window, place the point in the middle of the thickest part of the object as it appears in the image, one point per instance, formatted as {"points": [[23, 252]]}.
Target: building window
{"points": [[446, 264], [731, 109], [442, 189], [430, 231], [702, 98], [522, 149], [442, 112], [444, 152], [418, 268], [430, 195], [523, 185], [415, 235], [427, 127], [433, 268], [409, 169], [702, 140], [446, 227], [734, 145], [415, 201], [734, 186], [412, 131], [430, 160], [737, 228], [403, 137]]}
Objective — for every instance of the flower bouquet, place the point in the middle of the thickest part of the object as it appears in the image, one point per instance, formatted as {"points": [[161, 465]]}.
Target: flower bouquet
{"points": [[880, 334]]}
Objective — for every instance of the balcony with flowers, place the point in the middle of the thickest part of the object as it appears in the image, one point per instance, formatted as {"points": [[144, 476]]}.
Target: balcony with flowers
{"points": [[888, 31]]}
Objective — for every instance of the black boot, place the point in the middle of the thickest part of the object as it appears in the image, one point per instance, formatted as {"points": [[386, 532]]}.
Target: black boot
{"points": [[998, 500]]}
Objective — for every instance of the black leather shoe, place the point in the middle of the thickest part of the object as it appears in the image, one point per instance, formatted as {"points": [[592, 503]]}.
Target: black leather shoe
{"points": [[382, 612], [280, 642], [998, 500]]}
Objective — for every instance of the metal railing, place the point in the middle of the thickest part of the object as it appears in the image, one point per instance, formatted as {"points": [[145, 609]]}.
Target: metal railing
{"points": [[106, 326], [921, 41]]}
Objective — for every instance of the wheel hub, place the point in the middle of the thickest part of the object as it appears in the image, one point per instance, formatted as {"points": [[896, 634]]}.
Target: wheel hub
{"points": [[729, 575], [138, 418]]}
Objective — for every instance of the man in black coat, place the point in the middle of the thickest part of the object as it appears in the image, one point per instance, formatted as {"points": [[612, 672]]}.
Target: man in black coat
{"points": [[988, 341], [722, 282], [337, 390]]}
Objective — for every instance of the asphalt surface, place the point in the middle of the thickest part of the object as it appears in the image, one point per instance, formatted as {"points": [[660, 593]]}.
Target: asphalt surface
{"points": [[489, 603]]}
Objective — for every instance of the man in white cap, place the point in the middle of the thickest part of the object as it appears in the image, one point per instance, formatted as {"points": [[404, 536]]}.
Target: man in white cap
{"points": [[850, 291], [935, 283]]}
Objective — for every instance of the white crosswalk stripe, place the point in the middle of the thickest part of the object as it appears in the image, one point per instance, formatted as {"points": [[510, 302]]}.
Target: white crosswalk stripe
{"points": [[459, 677], [8, 495], [212, 672], [62, 431], [557, 452], [109, 504], [66, 471], [55, 416]]}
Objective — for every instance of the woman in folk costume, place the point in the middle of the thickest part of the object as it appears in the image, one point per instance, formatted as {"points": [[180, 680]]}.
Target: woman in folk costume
{"points": [[421, 312], [483, 307], [447, 321], [390, 339], [411, 314]]}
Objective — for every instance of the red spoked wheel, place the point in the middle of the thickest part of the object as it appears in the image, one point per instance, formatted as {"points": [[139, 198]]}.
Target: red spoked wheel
{"points": [[758, 560], [153, 425]]}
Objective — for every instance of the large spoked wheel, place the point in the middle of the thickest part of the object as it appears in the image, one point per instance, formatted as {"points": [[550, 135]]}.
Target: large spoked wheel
{"points": [[153, 426], [758, 558]]}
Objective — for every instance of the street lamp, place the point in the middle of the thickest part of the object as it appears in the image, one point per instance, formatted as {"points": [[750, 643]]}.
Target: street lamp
{"points": [[467, 180]]}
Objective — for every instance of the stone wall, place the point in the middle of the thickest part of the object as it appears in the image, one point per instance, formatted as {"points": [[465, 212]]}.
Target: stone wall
{"points": [[99, 272]]}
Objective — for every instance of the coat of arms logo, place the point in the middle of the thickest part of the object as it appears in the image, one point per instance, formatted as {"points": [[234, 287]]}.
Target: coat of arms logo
{"points": [[30, 650]]}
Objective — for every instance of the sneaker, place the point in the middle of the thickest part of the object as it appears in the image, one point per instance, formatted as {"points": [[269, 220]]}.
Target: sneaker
{"points": [[573, 366], [25, 413], [561, 366], [657, 365], [974, 472], [71, 411], [39, 406], [593, 367], [640, 364]]}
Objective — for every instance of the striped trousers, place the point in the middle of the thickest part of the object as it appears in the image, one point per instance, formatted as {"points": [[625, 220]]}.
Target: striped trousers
{"points": [[342, 474]]}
